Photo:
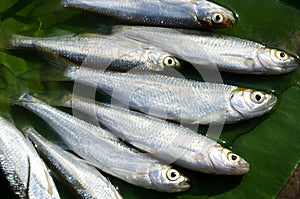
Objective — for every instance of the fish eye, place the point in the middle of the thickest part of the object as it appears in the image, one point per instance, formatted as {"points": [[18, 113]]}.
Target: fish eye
{"points": [[169, 61], [233, 157], [217, 18], [172, 174], [281, 55], [257, 97]]}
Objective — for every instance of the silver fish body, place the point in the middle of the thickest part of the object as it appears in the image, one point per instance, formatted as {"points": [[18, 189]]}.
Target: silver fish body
{"points": [[178, 99], [170, 13], [84, 179], [163, 140], [102, 52], [104, 151], [25, 172], [203, 49]]}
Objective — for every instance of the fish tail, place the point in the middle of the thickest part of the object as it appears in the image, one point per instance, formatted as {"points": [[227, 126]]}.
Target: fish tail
{"points": [[46, 74], [5, 39], [57, 68], [28, 98], [18, 41], [67, 100], [10, 86]]}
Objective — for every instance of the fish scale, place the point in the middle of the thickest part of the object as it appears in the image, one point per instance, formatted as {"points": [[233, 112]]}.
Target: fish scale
{"points": [[84, 179], [171, 13], [178, 99], [20, 155], [99, 51], [104, 151], [163, 140], [205, 49]]}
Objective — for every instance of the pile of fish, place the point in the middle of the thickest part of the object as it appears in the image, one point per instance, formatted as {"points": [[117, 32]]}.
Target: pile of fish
{"points": [[137, 144]]}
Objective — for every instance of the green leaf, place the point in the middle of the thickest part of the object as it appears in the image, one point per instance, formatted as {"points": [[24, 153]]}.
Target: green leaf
{"points": [[270, 143], [4, 5]]}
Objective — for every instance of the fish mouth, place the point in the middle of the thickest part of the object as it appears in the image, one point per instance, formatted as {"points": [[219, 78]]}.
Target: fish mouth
{"points": [[185, 185], [272, 102], [181, 186], [228, 24], [244, 168]]}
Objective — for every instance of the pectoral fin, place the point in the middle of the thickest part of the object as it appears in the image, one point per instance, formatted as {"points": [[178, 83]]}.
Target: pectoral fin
{"points": [[216, 117]]}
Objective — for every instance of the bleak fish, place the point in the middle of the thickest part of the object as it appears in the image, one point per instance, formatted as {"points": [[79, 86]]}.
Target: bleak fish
{"points": [[204, 50], [170, 13], [22, 167], [177, 99], [104, 151], [85, 180], [102, 52], [163, 140]]}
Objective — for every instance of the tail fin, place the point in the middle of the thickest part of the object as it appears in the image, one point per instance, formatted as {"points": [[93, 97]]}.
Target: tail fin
{"points": [[10, 86], [18, 41], [49, 73], [5, 39], [56, 70]]}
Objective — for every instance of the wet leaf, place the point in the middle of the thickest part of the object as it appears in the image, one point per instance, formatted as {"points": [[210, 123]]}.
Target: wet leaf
{"points": [[270, 143]]}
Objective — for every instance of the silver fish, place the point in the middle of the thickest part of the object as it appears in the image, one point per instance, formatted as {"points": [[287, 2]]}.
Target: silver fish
{"points": [[85, 180], [104, 151], [177, 99], [25, 172], [205, 49], [98, 51], [163, 140], [170, 13]]}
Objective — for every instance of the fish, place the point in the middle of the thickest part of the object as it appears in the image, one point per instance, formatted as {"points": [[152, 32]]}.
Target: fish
{"points": [[25, 172], [172, 98], [101, 51], [168, 13], [106, 152], [163, 140], [206, 50], [82, 178]]}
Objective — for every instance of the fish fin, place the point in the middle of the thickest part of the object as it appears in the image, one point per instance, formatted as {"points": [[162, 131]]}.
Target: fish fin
{"points": [[6, 37], [118, 29], [216, 117], [112, 169], [50, 183], [140, 148], [10, 86], [28, 177], [29, 132], [19, 41], [56, 70], [67, 100]]}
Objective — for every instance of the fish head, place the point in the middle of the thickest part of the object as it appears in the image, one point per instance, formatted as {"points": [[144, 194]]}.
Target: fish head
{"points": [[162, 59], [165, 178], [276, 61], [248, 103], [225, 162], [213, 15]]}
